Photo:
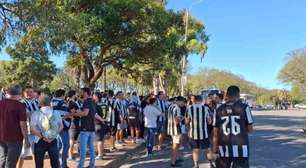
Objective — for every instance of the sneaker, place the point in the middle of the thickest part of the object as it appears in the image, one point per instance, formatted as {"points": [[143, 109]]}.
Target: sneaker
{"points": [[119, 144], [195, 166], [72, 159], [212, 164], [112, 149], [99, 158], [133, 141], [182, 148]]}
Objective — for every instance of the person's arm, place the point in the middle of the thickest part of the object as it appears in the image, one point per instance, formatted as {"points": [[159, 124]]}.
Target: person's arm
{"points": [[24, 131], [23, 124], [178, 115], [97, 117], [249, 119], [215, 140], [188, 116]]}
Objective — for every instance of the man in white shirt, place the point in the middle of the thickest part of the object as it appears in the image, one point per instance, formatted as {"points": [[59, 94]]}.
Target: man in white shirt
{"points": [[151, 113]]}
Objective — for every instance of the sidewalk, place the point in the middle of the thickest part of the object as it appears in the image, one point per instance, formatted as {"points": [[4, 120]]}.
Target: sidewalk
{"points": [[110, 160]]}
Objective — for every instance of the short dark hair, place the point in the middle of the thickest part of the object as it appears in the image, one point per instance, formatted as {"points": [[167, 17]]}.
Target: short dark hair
{"points": [[119, 92], [233, 91], [59, 93], [15, 90], [198, 98], [180, 98], [110, 93], [152, 100], [99, 95], [159, 93], [87, 90], [71, 93], [134, 93], [27, 87]]}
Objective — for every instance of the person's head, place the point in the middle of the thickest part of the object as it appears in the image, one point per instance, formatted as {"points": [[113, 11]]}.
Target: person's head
{"points": [[28, 92], [97, 96], [161, 95], [85, 93], [180, 101], [233, 93], [151, 100], [119, 95], [71, 94], [59, 93], [192, 99], [110, 94], [15, 92], [219, 97], [197, 99], [44, 100]]}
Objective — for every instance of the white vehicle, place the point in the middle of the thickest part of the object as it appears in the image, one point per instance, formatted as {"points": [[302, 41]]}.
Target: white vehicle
{"points": [[300, 106]]}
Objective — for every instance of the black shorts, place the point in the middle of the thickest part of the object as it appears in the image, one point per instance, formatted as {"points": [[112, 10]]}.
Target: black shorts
{"points": [[237, 162], [74, 134], [101, 131], [133, 123], [199, 144]]}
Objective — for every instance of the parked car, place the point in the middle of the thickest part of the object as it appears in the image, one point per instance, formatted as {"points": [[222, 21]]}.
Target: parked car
{"points": [[300, 106]]}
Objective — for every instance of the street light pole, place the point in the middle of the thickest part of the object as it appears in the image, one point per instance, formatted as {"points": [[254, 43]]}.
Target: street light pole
{"points": [[184, 77]]}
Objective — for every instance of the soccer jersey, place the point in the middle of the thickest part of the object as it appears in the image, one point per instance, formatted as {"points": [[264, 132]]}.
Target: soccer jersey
{"points": [[198, 116], [174, 128], [162, 106], [232, 120], [61, 107]]}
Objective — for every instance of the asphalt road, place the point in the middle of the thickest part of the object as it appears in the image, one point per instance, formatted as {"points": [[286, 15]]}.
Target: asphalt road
{"points": [[277, 142]]}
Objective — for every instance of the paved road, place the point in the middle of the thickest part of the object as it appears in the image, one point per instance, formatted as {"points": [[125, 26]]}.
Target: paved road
{"points": [[278, 142]]}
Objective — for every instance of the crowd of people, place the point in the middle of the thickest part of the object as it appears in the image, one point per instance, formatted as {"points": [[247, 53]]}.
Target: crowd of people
{"points": [[33, 124]]}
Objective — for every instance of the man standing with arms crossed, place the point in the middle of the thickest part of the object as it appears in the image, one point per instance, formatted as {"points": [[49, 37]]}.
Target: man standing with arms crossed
{"points": [[232, 124]]}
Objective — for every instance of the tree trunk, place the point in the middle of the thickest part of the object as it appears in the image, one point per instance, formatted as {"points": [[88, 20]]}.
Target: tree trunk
{"points": [[156, 84]]}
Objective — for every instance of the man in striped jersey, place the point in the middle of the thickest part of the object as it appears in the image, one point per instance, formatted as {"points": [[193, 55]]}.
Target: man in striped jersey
{"points": [[121, 109], [161, 104], [198, 119], [232, 124], [114, 118], [175, 118], [31, 106]]}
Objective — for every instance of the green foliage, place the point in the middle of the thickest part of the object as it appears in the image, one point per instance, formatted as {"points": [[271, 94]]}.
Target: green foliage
{"points": [[218, 79], [294, 72], [63, 80], [297, 94]]}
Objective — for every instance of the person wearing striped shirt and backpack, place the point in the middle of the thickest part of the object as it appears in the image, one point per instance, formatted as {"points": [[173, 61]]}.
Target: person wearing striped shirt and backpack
{"points": [[198, 119], [232, 124]]}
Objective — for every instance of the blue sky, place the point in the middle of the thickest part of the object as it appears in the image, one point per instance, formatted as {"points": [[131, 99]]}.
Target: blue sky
{"points": [[250, 38]]}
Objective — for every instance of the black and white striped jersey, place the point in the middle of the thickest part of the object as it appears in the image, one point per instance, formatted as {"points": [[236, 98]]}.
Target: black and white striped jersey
{"points": [[232, 119], [198, 115], [31, 105], [174, 112], [162, 106]]}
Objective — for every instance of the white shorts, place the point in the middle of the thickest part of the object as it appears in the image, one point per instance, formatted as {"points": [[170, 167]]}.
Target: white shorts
{"points": [[176, 139], [122, 126]]}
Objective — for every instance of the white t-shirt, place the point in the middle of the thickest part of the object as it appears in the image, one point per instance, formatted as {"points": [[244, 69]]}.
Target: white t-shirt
{"points": [[151, 113]]}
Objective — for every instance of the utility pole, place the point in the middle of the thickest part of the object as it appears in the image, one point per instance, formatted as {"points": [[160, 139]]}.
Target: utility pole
{"points": [[184, 78]]}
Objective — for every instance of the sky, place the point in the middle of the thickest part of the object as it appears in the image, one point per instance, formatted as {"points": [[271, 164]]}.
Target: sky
{"points": [[251, 38]]}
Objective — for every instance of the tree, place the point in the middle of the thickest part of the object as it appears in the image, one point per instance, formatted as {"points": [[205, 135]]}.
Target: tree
{"points": [[121, 33], [294, 72]]}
